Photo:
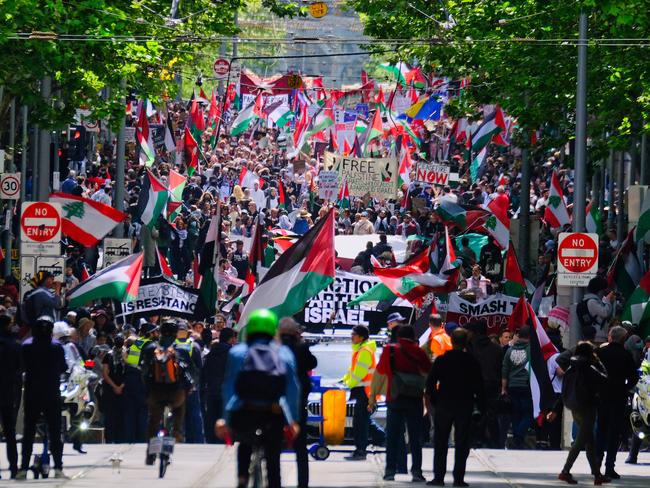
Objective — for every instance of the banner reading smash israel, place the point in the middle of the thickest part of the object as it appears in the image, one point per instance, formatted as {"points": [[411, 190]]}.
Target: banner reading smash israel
{"points": [[159, 296], [330, 307], [374, 176], [496, 309]]}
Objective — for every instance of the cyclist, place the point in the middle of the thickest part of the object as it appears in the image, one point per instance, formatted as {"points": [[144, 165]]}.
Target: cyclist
{"points": [[165, 372], [260, 392]]}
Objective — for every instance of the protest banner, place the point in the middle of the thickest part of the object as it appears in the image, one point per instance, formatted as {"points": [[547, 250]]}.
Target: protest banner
{"points": [[432, 173], [330, 307], [328, 184], [495, 309], [376, 177], [160, 296]]}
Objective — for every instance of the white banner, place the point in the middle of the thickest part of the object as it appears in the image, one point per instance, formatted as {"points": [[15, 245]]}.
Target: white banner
{"points": [[496, 309], [374, 176]]}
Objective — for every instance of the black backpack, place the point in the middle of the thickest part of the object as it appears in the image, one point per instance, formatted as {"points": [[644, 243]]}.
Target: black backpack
{"points": [[262, 379], [575, 388], [582, 311]]}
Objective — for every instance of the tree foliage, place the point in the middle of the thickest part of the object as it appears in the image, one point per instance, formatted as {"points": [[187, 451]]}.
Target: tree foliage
{"points": [[523, 55], [87, 46]]}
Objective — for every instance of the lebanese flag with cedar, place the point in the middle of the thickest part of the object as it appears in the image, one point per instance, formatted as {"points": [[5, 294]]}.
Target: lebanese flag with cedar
{"points": [[556, 213], [300, 273]]}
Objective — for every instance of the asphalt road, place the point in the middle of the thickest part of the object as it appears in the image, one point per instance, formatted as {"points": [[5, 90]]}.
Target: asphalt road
{"points": [[214, 466]]}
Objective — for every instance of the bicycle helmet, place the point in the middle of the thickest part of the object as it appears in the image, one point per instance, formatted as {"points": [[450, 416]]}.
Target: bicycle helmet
{"points": [[262, 321]]}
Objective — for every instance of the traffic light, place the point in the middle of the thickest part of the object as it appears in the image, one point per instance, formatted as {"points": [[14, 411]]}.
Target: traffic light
{"points": [[77, 142]]}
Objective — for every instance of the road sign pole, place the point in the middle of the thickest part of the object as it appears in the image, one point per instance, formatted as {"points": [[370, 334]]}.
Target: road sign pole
{"points": [[42, 183], [23, 155], [119, 167], [580, 159]]}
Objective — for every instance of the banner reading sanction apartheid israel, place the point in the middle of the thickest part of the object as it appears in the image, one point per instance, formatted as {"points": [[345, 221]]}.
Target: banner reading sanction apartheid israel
{"points": [[374, 176], [330, 307]]}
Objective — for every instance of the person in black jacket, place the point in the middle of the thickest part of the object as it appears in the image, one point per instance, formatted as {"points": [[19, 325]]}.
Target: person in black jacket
{"points": [[621, 378], [214, 369], [290, 335], [490, 357], [10, 383], [582, 382], [454, 388]]}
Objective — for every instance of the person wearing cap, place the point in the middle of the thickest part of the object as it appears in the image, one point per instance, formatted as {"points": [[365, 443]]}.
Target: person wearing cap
{"points": [[135, 407], [291, 336], [44, 363], [358, 380], [393, 322], [260, 395], [439, 341], [42, 300], [185, 345]]}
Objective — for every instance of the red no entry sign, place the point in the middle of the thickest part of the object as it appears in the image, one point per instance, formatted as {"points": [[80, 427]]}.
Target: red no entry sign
{"points": [[577, 258], [221, 67], [40, 222]]}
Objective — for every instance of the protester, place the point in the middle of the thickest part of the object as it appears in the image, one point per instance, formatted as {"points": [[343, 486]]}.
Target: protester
{"points": [[454, 388], [515, 384], [10, 381], [405, 366], [438, 342]]}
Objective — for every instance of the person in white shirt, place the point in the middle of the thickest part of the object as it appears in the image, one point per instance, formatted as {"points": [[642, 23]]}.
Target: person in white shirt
{"points": [[103, 195], [478, 283], [258, 195], [448, 196]]}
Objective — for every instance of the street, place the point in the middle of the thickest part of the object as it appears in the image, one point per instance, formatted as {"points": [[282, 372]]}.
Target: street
{"points": [[213, 466]]}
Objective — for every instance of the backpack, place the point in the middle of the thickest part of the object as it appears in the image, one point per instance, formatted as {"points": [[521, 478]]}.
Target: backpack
{"points": [[27, 311], [582, 311], [575, 388], [262, 378], [166, 368], [409, 385]]}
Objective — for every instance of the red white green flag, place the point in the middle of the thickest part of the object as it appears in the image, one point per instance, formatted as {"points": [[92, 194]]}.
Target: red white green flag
{"points": [[191, 152], [152, 201], [85, 220], [145, 137], [636, 308], [556, 213], [515, 285], [244, 119], [120, 281], [498, 224]]}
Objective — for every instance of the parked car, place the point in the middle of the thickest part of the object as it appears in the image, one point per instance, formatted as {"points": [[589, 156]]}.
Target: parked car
{"points": [[334, 355]]}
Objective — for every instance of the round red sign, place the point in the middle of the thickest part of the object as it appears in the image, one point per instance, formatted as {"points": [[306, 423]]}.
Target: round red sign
{"points": [[40, 222], [221, 67], [578, 253]]}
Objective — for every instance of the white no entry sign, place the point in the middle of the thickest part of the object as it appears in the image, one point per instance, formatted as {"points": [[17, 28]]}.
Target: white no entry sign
{"points": [[577, 258], [40, 228]]}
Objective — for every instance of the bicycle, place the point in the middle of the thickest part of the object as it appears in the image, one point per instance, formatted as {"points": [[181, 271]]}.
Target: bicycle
{"points": [[162, 445]]}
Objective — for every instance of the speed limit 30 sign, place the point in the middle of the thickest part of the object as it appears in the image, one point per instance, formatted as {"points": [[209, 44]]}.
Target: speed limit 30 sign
{"points": [[10, 186], [577, 258]]}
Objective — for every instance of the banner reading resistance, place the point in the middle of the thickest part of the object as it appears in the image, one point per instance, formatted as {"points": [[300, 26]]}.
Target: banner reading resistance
{"points": [[159, 296]]}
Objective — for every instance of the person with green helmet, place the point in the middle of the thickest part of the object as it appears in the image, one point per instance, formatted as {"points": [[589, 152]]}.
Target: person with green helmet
{"points": [[261, 391]]}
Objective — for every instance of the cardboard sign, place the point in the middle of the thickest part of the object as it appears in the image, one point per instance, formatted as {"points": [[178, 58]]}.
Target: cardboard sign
{"points": [[376, 177], [432, 173], [328, 184]]}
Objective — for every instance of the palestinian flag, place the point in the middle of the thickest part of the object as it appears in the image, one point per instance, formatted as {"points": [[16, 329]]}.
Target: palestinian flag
{"points": [[498, 224], [280, 114], [191, 152], [643, 225], [625, 271], [208, 270], [343, 199], [247, 116], [176, 182], [636, 309], [405, 166], [399, 71], [164, 265], [84, 220], [377, 293], [356, 147], [255, 260], [541, 349], [593, 224], [300, 133], [298, 274], [375, 130], [195, 122], [145, 137], [461, 217], [476, 168], [152, 201], [120, 281], [492, 125], [214, 116], [514, 285], [282, 203], [347, 149], [170, 140], [556, 213], [321, 120]]}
